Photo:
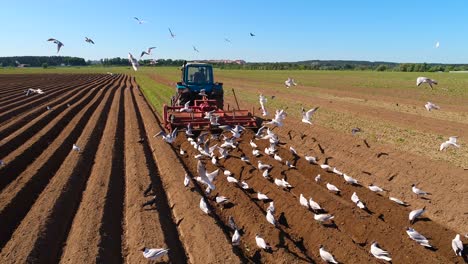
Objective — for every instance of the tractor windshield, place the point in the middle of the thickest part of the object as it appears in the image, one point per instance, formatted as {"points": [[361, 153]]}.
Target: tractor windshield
{"points": [[199, 74]]}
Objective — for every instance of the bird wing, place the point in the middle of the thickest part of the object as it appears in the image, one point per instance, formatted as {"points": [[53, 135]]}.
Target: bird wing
{"points": [[311, 112], [212, 175], [453, 140], [174, 133], [143, 53]]}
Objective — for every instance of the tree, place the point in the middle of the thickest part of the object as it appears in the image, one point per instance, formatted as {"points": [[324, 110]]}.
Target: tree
{"points": [[381, 67], [45, 65]]}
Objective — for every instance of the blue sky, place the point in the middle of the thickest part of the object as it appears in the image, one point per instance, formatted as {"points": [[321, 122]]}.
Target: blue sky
{"points": [[288, 30]]}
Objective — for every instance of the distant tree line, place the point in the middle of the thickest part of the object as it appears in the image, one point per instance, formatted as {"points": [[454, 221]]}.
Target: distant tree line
{"points": [[39, 61]]}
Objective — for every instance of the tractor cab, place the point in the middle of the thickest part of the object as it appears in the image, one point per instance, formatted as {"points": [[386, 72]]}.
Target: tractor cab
{"points": [[197, 80]]}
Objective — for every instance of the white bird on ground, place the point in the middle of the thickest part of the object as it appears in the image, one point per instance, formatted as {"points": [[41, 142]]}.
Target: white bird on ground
{"points": [[293, 151], [398, 201], [261, 242], [256, 152], [416, 236], [379, 253], [76, 148], [318, 178], [322, 218], [415, 214], [375, 188], [252, 144], [336, 171], [457, 245], [282, 183], [311, 159], [357, 201], [181, 151], [235, 238], [186, 180], [59, 44], [262, 166], [204, 206], [266, 174], [271, 207], [421, 80], [154, 253], [333, 188], [147, 52], [350, 180], [314, 205], [221, 199], [133, 61], [418, 191], [89, 40], [430, 106], [244, 185], [245, 159], [289, 164], [306, 116], [303, 201], [232, 179], [277, 157], [327, 256], [169, 138], [451, 142], [262, 197], [172, 34], [325, 167], [270, 218], [290, 82]]}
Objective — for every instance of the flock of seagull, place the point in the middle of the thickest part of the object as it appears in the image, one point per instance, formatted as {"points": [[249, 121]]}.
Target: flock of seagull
{"points": [[229, 139]]}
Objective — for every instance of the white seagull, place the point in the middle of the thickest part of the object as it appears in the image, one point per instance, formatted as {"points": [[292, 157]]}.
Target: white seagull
{"points": [[263, 100], [169, 138], [451, 142], [76, 148], [421, 80], [154, 253], [290, 82], [186, 180], [418, 191], [133, 61], [270, 218], [314, 205], [333, 188], [415, 214], [379, 253], [252, 144], [262, 166], [235, 238], [430, 106], [59, 43], [271, 207], [261, 242], [416, 236], [457, 245], [262, 197], [398, 201], [311, 159], [204, 206], [326, 256], [350, 180], [323, 217], [303, 201], [306, 116], [205, 178], [147, 52], [375, 188]]}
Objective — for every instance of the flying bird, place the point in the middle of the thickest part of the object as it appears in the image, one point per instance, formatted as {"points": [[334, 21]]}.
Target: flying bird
{"points": [[306, 116], [437, 45], [169, 138], [195, 49], [186, 180], [139, 20], [133, 61], [430, 106], [147, 52], [227, 40], [379, 253], [252, 35], [421, 80], [451, 142], [89, 40], [172, 34], [326, 256], [59, 44], [154, 253], [206, 178]]}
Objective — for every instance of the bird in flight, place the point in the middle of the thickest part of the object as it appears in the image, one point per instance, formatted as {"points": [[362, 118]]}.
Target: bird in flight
{"points": [[437, 45], [421, 80], [133, 61], [306, 116], [172, 34], [227, 40], [59, 43], [147, 52], [195, 49], [139, 20], [252, 34], [89, 40]]}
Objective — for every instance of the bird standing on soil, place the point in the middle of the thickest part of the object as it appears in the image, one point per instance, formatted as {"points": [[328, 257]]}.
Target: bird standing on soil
{"points": [[398, 201], [355, 130], [303, 201], [357, 201], [430, 106], [413, 215], [375, 188], [333, 188], [322, 218], [59, 43], [232, 224], [350, 179], [457, 245], [306, 116], [150, 202], [318, 178], [261, 242], [421, 80], [271, 207], [186, 180], [451, 142], [418, 191], [76, 148], [89, 40], [289, 82], [262, 197], [314, 205], [270, 218], [326, 256], [379, 253], [154, 253], [133, 61], [416, 236], [235, 238], [204, 206]]}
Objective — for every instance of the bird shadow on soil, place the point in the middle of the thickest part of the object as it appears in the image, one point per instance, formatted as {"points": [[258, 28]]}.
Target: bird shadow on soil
{"points": [[299, 244]]}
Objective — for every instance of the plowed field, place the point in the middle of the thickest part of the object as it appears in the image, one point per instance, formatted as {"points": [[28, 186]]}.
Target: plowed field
{"points": [[60, 205]]}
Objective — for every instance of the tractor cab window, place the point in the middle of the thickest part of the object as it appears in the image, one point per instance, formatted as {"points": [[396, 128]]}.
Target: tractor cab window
{"points": [[199, 74]]}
